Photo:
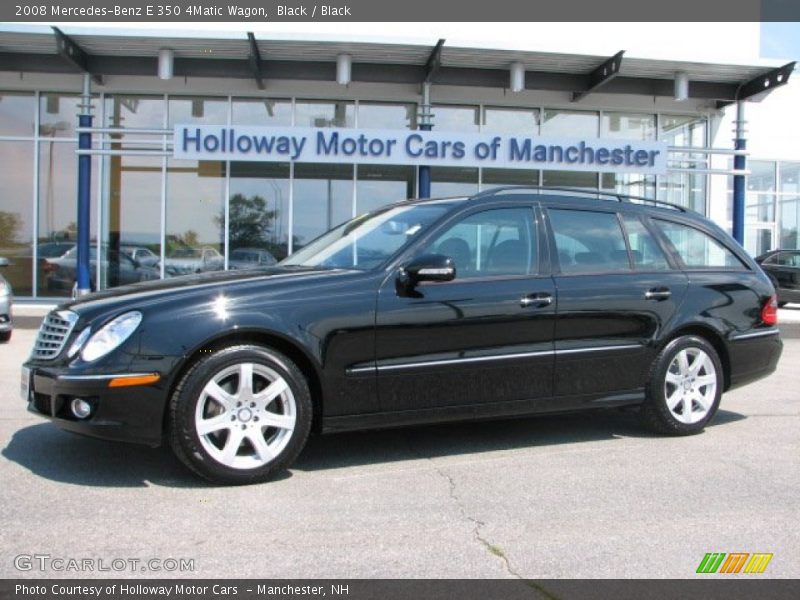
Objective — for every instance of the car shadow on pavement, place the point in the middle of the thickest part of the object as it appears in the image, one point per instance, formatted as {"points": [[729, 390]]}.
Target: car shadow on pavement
{"points": [[52, 454], [57, 455], [451, 439]]}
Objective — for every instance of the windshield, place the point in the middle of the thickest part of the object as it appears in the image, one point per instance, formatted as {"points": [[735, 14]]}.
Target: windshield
{"points": [[368, 240]]}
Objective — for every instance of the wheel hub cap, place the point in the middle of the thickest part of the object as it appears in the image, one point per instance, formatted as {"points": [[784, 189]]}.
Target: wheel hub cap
{"points": [[245, 414]]}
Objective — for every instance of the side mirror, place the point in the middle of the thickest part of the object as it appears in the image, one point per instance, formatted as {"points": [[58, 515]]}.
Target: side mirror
{"points": [[4, 262], [428, 267]]}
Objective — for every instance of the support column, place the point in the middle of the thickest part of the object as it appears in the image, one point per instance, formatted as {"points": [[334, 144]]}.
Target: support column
{"points": [[739, 181], [424, 183], [84, 273]]}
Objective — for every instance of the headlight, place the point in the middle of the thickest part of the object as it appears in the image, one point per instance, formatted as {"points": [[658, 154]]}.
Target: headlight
{"points": [[79, 341], [111, 336]]}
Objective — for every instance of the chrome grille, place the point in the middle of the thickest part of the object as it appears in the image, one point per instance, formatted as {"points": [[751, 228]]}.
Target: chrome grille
{"points": [[53, 333]]}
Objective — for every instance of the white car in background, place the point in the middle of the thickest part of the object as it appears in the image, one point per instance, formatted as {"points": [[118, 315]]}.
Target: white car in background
{"points": [[185, 261], [6, 300]]}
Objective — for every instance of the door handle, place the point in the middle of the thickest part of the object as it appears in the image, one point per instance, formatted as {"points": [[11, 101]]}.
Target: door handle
{"points": [[657, 294], [536, 300]]}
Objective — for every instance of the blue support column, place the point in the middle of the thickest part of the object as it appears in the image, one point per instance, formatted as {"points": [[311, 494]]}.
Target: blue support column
{"points": [[739, 163], [424, 181], [424, 187], [84, 274]]}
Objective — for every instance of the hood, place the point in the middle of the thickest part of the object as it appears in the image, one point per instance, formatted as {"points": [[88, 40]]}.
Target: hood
{"points": [[189, 286]]}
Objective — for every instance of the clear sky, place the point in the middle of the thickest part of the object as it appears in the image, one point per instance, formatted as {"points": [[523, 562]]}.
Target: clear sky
{"points": [[780, 40]]}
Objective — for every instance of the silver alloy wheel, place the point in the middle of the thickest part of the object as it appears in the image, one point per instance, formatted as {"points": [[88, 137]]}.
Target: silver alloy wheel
{"points": [[690, 385], [245, 415]]}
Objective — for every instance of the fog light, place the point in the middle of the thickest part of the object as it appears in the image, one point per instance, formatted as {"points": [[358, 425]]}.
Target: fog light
{"points": [[80, 408]]}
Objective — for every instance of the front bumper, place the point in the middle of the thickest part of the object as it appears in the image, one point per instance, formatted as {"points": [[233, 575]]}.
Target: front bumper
{"points": [[128, 414]]}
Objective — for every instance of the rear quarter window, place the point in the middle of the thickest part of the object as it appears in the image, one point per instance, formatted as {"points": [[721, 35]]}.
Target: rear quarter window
{"points": [[697, 249]]}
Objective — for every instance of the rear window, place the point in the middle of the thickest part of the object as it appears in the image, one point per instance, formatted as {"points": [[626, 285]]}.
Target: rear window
{"points": [[589, 241], [697, 249]]}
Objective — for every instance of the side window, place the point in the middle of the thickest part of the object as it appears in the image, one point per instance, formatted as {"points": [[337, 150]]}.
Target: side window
{"points": [[698, 249], [490, 243], [645, 251], [772, 260], [788, 259], [588, 241]]}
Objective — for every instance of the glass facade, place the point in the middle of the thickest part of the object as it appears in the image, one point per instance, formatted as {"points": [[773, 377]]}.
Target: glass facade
{"points": [[177, 216]]}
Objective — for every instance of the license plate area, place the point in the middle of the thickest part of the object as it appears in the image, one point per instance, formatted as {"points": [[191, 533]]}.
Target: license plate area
{"points": [[25, 384]]}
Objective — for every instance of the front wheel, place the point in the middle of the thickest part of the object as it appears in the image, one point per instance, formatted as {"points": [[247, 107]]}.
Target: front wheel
{"points": [[240, 415], [684, 388]]}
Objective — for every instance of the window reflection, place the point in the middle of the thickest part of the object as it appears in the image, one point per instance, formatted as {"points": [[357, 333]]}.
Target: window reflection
{"points": [[512, 121], [455, 118], [16, 218], [322, 199], [58, 208], [379, 185], [259, 212], [195, 217], [17, 113], [382, 115], [261, 111], [324, 114], [453, 181], [132, 220], [570, 123]]}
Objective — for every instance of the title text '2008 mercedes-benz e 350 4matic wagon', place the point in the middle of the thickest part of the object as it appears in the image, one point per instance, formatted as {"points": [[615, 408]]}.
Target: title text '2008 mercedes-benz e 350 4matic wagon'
{"points": [[510, 302]]}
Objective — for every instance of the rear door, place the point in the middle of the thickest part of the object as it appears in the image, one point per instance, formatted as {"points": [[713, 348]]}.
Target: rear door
{"points": [[616, 290]]}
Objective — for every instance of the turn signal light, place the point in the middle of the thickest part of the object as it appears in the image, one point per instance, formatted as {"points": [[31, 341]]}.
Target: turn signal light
{"points": [[134, 380], [769, 314]]}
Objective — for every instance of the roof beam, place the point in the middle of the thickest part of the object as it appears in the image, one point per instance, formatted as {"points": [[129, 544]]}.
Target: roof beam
{"points": [[255, 61], [760, 86], [600, 76], [434, 62], [74, 54]]}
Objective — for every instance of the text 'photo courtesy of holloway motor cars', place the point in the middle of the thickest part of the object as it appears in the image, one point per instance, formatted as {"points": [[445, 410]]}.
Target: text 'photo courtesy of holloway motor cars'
{"points": [[510, 302]]}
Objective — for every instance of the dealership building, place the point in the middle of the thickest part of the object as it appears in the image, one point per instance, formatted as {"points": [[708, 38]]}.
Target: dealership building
{"points": [[209, 150]]}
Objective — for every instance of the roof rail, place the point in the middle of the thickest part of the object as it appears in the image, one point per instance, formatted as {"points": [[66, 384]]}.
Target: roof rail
{"points": [[593, 193]]}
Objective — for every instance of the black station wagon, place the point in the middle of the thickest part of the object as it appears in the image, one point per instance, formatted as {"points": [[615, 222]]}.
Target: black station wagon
{"points": [[510, 302]]}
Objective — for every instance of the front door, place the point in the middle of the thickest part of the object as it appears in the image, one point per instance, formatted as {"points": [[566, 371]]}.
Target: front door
{"points": [[486, 336]]}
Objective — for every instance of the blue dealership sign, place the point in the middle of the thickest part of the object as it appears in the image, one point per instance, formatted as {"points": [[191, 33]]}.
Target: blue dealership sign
{"points": [[405, 147]]}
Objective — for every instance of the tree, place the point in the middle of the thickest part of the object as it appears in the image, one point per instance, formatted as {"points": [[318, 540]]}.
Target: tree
{"points": [[10, 224], [250, 221]]}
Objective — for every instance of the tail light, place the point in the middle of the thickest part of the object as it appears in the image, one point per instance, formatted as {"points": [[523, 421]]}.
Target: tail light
{"points": [[769, 314]]}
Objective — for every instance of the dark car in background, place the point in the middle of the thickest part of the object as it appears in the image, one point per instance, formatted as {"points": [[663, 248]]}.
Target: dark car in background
{"points": [[783, 268], [510, 302]]}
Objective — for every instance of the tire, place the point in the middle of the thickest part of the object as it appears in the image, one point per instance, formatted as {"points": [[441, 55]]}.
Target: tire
{"points": [[5, 336], [677, 384], [219, 429]]}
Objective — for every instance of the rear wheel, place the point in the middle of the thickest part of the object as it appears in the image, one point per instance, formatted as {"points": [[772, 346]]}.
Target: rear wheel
{"points": [[240, 415], [685, 387], [5, 336]]}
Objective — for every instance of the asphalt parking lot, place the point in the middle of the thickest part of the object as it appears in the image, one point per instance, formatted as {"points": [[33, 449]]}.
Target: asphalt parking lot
{"points": [[588, 495]]}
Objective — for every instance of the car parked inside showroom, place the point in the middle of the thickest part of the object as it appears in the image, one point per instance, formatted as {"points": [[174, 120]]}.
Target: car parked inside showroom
{"points": [[783, 268], [510, 302]]}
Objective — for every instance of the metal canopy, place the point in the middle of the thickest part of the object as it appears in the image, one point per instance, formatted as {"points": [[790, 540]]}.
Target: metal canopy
{"points": [[601, 75], [292, 59], [760, 86], [434, 62], [74, 54], [255, 60]]}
